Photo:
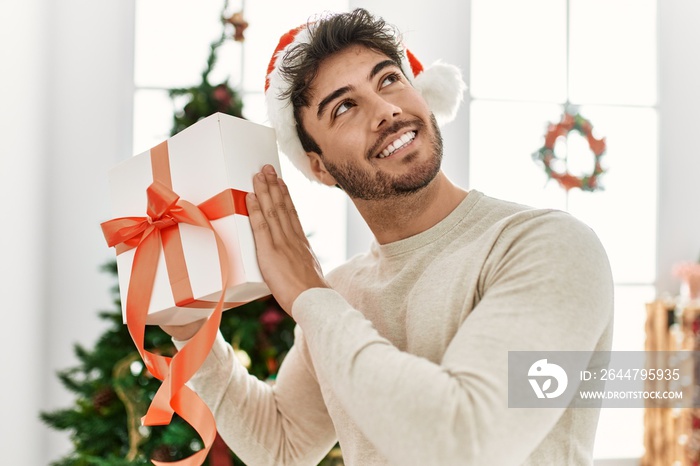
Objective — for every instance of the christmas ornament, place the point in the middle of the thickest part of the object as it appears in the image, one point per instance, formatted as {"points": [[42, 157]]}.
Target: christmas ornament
{"points": [[546, 156], [689, 274], [271, 318], [239, 25], [129, 395], [219, 454], [103, 398], [162, 453]]}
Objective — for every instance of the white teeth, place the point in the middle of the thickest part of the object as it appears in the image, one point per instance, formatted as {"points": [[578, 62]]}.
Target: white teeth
{"points": [[398, 143]]}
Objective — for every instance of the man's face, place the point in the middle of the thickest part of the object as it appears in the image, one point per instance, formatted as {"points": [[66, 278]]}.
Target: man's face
{"points": [[376, 133]]}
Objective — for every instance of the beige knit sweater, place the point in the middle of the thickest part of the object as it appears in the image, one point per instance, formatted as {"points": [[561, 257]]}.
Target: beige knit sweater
{"points": [[405, 360]]}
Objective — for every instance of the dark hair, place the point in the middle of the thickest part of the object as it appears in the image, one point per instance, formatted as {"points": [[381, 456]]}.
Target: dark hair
{"points": [[329, 36]]}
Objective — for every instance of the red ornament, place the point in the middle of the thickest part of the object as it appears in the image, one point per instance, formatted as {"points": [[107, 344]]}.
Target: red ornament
{"points": [[271, 318], [695, 422], [219, 454]]}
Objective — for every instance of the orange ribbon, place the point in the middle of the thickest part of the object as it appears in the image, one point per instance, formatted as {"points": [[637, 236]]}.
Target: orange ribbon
{"points": [[165, 211]]}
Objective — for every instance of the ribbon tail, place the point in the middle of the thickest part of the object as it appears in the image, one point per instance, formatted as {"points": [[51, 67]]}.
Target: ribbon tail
{"points": [[137, 303], [173, 396], [160, 411], [185, 364], [193, 411]]}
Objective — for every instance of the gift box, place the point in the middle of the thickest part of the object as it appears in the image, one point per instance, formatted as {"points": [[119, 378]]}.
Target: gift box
{"points": [[213, 160]]}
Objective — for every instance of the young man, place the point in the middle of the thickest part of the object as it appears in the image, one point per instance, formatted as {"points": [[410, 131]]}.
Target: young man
{"points": [[401, 354]]}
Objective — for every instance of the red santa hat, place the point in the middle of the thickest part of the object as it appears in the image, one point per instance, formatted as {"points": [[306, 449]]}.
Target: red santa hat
{"points": [[440, 84]]}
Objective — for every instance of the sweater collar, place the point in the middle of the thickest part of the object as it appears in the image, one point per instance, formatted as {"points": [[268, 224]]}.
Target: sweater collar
{"points": [[426, 237]]}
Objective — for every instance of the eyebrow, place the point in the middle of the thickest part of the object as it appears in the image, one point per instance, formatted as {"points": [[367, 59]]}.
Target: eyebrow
{"points": [[380, 66], [330, 98], [343, 90]]}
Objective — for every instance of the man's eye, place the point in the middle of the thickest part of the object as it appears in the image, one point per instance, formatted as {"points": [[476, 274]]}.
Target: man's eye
{"points": [[392, 78], [343, 107]]}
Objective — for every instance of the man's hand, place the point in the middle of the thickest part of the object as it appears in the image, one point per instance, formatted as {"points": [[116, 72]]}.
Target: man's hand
{"points": [[183, 332], [286, 261]]}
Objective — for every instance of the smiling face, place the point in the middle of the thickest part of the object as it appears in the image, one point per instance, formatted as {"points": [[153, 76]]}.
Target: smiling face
{"points": [[377, 136]]}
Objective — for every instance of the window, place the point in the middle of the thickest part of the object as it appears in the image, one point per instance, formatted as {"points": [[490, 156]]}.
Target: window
{"points": [[528, 60], [172, 44]]}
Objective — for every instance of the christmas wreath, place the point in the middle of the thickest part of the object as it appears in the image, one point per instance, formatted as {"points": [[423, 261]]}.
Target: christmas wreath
{"points": [[547, 158]]}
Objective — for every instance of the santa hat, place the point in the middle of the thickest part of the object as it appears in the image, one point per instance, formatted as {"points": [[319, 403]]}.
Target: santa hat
{"points": [[440, 84]]}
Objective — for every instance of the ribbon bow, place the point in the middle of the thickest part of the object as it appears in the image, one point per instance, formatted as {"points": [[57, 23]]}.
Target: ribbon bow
{"points": [[162, 210], [165, 211]]}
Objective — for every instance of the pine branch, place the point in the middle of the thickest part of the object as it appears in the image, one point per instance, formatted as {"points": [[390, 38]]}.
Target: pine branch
{"points": [[62, 419], [68, 380]]}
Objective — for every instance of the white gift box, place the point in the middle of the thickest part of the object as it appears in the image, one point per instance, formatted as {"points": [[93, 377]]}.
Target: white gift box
{"points": [[216, 153]]}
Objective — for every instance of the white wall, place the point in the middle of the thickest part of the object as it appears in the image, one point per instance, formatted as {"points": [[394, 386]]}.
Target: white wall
{"points": [[22, 192], [90, 82], [679, 146], [66, 118]]}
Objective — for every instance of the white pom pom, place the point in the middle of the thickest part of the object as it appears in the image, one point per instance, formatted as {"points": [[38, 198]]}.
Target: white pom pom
{"points": [[442, 87]]}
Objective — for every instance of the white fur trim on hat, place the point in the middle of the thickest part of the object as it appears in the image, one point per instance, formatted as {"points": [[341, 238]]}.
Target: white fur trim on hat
{"points": [[440, 84], [281, 113]]}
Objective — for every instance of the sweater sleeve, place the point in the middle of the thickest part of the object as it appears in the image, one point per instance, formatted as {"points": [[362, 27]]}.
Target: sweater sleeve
{"points": [[281, 424], [544, 288]]}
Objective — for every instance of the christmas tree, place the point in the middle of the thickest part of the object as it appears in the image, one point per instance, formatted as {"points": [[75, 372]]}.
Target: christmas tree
{"points": [[113, 388]]}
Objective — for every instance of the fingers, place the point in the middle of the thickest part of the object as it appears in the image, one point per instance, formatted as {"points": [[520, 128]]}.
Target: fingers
{"points": [[291, 210], [261, 229], [286, 260], [279, 204], [271, 210], [183, 332], [268, 196]]}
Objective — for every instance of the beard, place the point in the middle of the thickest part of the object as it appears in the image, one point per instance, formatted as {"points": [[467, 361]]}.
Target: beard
{"points": [[360, 183]]}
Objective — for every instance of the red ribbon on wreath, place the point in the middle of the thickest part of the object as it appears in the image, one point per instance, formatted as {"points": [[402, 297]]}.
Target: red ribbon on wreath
{"points": [[546, 156]]}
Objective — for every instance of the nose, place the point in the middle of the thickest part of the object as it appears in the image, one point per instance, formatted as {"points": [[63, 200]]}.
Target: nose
{"points": [[383, 112]]}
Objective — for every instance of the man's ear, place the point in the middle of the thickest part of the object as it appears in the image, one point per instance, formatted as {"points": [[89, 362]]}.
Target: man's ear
{"points": [[319, 169]]}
